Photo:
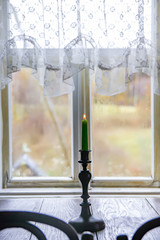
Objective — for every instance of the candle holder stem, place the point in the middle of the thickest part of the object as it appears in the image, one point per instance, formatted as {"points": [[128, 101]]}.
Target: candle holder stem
{"points": [[86, 222]]}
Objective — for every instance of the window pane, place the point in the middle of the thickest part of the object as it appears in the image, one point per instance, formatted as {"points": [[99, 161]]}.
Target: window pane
{"points": [[41, 129], [122, 131]]}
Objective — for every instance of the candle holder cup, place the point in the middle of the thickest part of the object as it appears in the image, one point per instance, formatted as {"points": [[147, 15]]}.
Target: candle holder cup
{"points": [[86, 222]]}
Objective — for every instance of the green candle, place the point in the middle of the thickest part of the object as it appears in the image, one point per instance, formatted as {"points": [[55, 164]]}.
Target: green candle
{"points": [[84, 134]]}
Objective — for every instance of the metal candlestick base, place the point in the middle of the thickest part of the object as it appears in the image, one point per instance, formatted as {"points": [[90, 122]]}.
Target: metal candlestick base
{"points": [[86, 222]]}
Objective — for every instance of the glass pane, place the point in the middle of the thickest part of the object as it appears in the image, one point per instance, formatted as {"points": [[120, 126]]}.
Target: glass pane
{"points": [[41, 129], [122, 131]]}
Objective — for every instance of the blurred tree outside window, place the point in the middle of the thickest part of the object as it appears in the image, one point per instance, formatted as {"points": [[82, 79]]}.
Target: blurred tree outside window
{"points": [[122, 131], [41, 130]]}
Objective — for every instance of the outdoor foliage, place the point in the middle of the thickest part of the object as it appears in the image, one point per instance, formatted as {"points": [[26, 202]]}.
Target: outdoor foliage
{"points": [[41, 130], [122, 131]]}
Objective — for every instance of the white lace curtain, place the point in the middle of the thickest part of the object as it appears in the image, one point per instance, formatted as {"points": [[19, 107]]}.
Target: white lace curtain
{"points": [[59, 38]]}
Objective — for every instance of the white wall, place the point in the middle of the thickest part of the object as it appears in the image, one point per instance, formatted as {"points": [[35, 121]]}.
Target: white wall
{"points": [[0, 142]]}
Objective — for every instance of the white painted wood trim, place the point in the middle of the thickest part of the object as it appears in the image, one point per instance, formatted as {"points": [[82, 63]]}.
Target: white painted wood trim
{"points": [[76, 106], [40, 182], [5, 139], [76, 192], [1, 135]]}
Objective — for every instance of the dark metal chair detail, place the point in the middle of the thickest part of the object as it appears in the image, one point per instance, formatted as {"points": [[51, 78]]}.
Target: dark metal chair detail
{"points": [[87, 236], [142, 230], [10, 219]]}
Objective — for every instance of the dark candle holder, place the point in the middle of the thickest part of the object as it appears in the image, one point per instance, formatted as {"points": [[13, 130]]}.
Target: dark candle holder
{"points": [[86, 222]]}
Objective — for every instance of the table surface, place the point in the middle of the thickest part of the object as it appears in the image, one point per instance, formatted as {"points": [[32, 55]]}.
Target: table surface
{"points": [[121, 215]]}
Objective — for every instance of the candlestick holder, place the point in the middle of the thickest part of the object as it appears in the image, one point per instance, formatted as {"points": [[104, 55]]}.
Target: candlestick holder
{"points": [[86, 222]]}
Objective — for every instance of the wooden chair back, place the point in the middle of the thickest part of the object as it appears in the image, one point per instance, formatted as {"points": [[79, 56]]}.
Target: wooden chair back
{"points": [[22, 219], [142, 230]]}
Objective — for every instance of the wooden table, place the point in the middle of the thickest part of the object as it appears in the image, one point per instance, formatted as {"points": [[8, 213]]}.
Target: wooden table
{"points": [[121, 215]]}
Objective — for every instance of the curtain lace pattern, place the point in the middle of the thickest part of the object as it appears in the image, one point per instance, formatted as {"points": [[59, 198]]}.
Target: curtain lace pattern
{"points": [[57, 39]]}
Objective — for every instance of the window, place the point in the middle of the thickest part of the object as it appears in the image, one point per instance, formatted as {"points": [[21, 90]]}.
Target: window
{"points": [[42, 135], [41, 130], [121, 135], [122, 131]]}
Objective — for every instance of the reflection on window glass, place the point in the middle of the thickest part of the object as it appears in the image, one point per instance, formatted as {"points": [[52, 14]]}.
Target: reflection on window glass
{"points": [[41, 130], [122, 131]]}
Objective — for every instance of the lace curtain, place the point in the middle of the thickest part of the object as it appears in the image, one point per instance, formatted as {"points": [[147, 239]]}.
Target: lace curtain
{"points": [[58, 38]]}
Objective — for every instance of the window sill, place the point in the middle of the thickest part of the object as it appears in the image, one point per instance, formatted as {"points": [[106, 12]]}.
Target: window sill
{"points": [[76, 192]]}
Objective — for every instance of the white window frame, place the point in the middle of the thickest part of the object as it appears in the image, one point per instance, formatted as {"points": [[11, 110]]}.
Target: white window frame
{"points": [[78, 109], [8, 180]]}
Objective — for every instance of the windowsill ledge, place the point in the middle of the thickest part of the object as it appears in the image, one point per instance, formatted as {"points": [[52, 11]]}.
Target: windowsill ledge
{"points": [[76, 192]]}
